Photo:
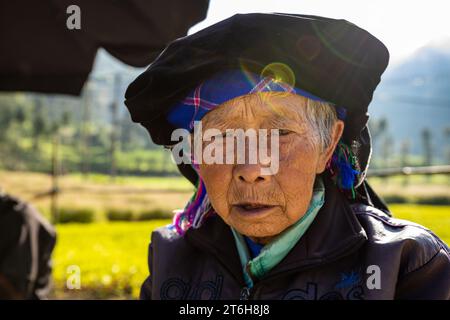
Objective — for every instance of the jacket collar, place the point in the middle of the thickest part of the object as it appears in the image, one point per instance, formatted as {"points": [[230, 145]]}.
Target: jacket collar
{"points": [[334, 233]]}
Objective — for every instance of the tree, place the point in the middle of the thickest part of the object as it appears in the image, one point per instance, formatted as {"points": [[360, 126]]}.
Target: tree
{"points": [[427, 147], [386, 150], [378, 129], [66, 118], [447, 145], [20, 116], [404, 154], [84, 130], [114, 126], [6, 118], [39, 124]]}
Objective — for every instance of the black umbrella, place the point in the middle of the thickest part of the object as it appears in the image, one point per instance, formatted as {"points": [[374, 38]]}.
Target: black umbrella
{"points": [[38, 52]]}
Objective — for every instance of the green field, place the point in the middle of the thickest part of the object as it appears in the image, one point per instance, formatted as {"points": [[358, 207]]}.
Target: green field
{"points": [[113, 256], [98, 193]]}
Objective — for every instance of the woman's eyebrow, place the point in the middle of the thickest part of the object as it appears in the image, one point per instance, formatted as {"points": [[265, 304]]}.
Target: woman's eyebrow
{"points": [[282, 122], [217, 123]]}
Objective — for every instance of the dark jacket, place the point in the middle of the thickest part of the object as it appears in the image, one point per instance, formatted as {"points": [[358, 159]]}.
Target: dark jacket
{"points": [[26, 245], [346, 250]]}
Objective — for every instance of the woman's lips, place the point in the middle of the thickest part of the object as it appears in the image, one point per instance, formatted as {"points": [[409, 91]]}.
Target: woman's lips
{"points": [[253, 209]]}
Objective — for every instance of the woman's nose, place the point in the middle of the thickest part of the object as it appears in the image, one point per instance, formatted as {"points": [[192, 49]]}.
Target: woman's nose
{"points": [[250, 173]]}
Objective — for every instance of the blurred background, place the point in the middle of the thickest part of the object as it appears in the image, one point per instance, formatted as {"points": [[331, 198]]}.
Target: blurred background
{"points": [[98, 177]]}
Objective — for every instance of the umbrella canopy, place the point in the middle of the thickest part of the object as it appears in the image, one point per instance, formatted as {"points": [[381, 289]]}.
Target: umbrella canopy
{"points": [[40, 53]]}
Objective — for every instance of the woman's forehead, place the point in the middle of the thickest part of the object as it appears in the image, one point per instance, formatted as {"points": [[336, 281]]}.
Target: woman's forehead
{"points": [[263, 107]]}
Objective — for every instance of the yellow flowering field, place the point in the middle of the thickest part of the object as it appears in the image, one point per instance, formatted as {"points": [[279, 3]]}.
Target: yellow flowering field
{"points": [[112, 257]]}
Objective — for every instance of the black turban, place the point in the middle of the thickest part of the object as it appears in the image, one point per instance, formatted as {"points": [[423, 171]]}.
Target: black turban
{"points": [[330, 58]]}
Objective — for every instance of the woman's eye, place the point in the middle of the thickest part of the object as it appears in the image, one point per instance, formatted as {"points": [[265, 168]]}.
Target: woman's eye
{"points": [[284, 132], [226, 135]]}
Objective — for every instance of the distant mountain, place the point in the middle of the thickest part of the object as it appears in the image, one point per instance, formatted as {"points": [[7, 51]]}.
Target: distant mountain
{"points": [[102, 81], [414, 95]]}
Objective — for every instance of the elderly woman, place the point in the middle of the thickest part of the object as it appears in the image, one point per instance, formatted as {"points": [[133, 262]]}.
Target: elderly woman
{"points": [[305, 224]]}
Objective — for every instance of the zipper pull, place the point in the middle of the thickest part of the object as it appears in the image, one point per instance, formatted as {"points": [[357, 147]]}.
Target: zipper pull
{"points": [[245, 293]]}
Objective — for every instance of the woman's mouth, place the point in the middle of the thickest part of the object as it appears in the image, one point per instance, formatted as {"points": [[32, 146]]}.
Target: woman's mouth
{"points": [[253, 209]]}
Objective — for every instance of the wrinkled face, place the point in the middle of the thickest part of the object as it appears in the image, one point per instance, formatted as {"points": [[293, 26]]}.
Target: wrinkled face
{"points": [[262, 206]]}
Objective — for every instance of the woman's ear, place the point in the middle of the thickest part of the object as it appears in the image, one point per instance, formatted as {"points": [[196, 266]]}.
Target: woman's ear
{"points": [[324, 157]]}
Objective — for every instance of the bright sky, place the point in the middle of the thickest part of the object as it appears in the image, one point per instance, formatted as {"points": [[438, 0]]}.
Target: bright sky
{"points": [[402, 25]]}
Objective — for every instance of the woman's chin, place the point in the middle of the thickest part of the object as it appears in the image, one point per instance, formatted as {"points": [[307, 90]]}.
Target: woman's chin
{"points": [[260, 230]]}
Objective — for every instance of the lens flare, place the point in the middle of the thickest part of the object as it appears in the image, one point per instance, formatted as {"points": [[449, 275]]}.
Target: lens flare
{"points": [[280, 72]]}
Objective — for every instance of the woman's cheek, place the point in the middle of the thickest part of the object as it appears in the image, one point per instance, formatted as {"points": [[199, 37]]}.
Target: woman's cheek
{"points": [[296, 175], [217, 179], [298, 155]]}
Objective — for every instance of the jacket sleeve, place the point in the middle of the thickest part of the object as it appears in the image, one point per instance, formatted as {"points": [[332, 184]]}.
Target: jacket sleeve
{"points": [[46, 243], [431, 281], [26, 245], [146, 288]]}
